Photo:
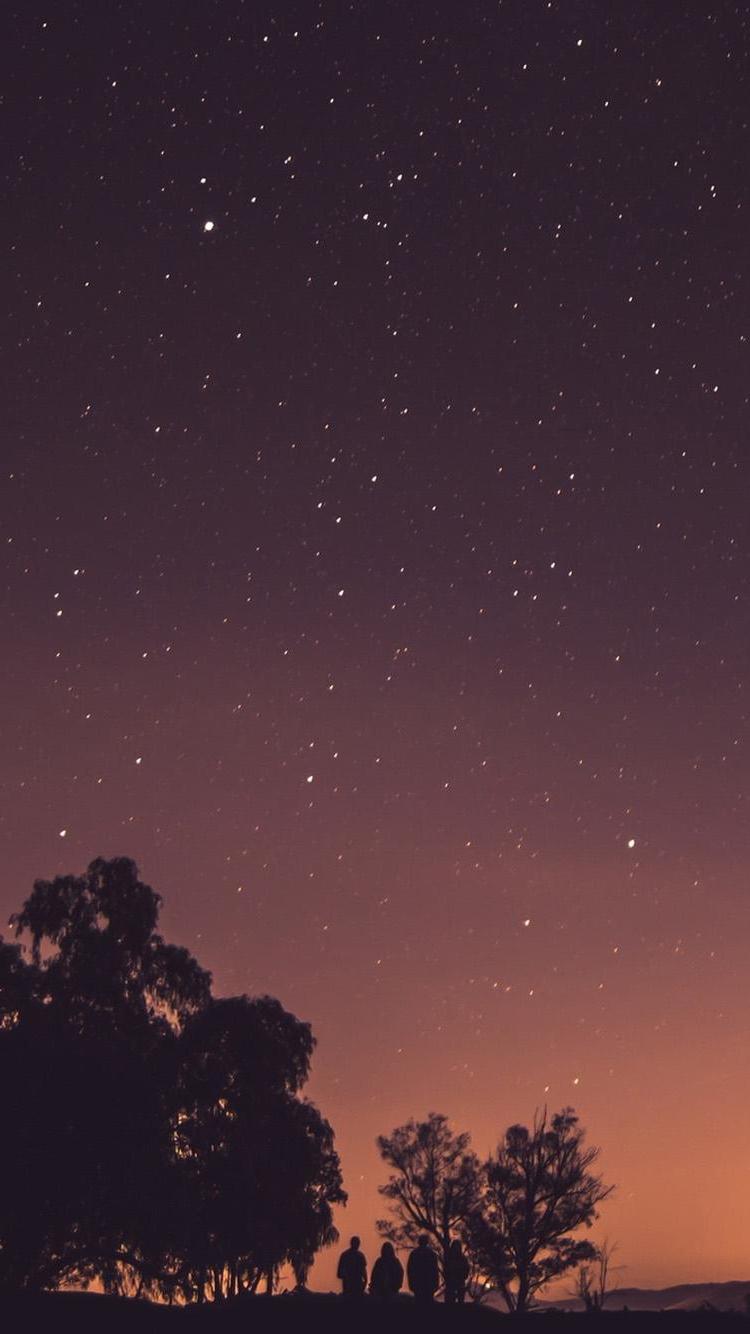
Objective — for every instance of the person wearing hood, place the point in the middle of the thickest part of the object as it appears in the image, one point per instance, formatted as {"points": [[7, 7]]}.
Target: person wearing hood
{"points": [[387, 1273]]}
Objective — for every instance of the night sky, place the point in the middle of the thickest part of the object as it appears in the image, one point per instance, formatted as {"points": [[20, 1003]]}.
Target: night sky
{"points": [[374, 510]]}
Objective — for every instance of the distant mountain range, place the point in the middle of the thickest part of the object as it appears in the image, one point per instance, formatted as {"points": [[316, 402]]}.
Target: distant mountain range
{"points": [[683, 1297]]}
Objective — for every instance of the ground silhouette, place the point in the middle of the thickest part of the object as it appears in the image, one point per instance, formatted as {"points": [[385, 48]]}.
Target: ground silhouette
{"points": [[313, 1313]]}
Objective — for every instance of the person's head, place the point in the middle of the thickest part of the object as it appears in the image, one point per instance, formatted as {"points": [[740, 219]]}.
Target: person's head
{"points": [[354, 1243], [386, 1250], [423, 1239]]}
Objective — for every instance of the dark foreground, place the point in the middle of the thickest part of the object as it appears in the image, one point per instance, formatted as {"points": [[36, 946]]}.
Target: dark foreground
{"points": [[89, 1313]]}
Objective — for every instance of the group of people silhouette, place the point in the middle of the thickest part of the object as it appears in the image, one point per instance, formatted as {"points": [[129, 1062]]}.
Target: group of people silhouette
{"points": [[422, 1272]]}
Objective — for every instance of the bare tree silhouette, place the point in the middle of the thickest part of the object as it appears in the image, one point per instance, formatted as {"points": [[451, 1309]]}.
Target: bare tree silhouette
{"points": [[592, 1285]]}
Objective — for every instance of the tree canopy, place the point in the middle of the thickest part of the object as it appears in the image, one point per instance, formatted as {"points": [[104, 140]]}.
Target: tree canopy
{"points": [[538, 1191], [160, 1142], [434, 1183]]}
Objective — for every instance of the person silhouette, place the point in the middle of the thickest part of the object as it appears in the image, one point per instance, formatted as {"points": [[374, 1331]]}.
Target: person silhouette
{"points": [[422, 1271], [352, 1270], [456, 1273], [387, 1273]]}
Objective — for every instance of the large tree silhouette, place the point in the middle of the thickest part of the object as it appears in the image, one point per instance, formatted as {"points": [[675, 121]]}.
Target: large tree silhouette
{"points": [[258, 1161], [81, 1052], [434, 1184], [538, 1191], [157, 1139]]}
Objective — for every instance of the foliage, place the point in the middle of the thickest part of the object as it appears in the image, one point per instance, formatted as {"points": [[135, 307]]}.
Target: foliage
{"points": [[538, 1190], [109, 960], [259, 1161], [158, 1143], [434, 1184]]}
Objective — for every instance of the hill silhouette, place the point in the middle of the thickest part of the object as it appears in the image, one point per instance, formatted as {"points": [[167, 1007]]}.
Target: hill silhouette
{"points": [[679, 1297]]}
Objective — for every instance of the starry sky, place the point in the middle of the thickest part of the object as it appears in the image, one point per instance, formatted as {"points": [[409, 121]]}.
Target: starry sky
{"points": [[373, 508]]}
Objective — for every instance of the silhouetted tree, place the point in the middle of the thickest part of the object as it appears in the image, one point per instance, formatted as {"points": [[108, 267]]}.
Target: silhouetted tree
{"points": [[260, 1160], [156, 1138], [108, 960], [434, 1185], [85, 1024], [538, 1190]]}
